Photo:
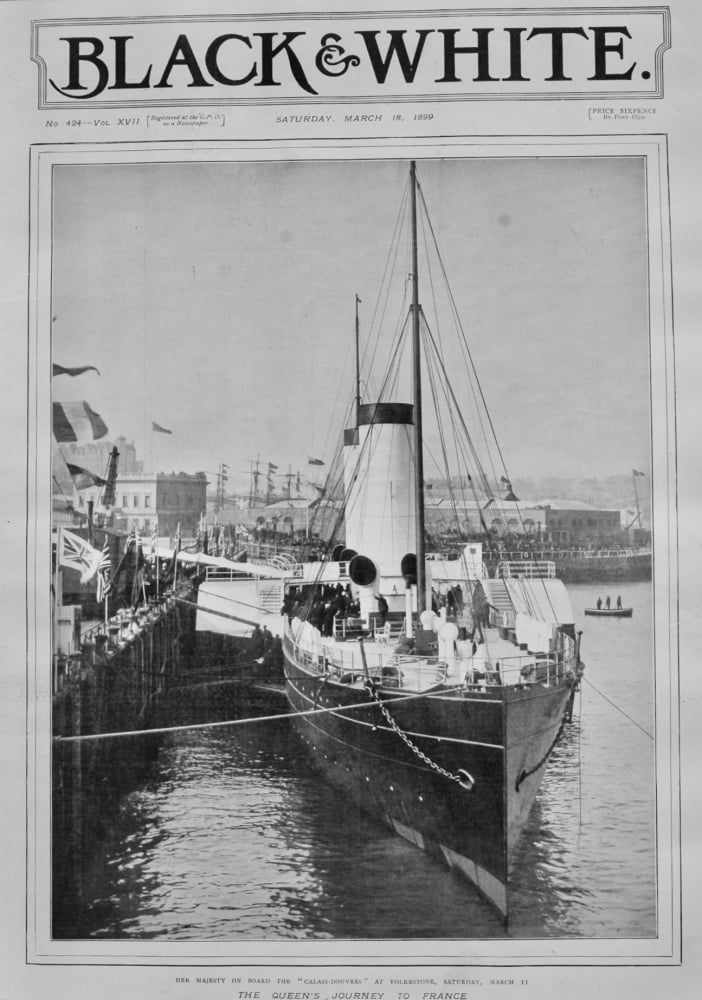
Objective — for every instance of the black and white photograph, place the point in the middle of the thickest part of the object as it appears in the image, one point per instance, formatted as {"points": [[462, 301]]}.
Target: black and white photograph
{"points": [[356, 466], [350, 501]]}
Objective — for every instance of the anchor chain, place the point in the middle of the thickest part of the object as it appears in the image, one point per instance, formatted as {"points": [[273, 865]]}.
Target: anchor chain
{"points": [[463, 778], [527, 774]]}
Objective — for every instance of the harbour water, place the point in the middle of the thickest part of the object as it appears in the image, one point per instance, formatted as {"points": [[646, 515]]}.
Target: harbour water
{"points": [[232, 836]]}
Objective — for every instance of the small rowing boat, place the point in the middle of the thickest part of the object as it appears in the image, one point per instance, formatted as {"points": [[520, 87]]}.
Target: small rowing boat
{"points": [[609, 612]]}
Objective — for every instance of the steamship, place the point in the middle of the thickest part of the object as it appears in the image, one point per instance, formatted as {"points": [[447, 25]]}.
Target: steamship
{"points": [[427, 690]]}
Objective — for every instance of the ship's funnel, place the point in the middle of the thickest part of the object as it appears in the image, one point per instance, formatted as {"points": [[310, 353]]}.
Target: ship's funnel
{"points": [[363, 571], [380, 514]]}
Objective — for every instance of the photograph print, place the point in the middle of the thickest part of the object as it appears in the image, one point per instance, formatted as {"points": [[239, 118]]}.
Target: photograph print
{"points": [[352, 480]]}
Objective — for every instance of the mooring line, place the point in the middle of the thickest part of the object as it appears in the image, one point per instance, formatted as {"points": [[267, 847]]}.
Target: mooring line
{"points": [[644, 731], [233, 722], [225, 614]]}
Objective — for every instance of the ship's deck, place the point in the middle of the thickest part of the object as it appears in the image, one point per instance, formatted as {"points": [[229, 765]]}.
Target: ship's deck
{"points": [[497, 660]]}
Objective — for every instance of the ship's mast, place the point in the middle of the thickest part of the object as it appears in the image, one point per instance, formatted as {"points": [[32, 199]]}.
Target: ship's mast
{"points": [[417, 383], [358, 364], [636, 520]]}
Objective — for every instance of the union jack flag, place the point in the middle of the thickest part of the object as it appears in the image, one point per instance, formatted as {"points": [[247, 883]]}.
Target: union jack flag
{"points": [[104, 582], [76, 553]]}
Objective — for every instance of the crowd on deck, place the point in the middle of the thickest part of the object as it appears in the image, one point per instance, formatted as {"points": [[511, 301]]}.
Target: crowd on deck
{"points": [[321, 605]]}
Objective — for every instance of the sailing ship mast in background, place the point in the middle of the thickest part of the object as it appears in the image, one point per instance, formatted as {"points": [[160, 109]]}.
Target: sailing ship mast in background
{"points": [[636, 522], [253, 489], [222, 479]]}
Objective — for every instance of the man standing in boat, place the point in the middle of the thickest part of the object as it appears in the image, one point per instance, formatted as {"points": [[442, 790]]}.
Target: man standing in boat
{"points": [[619, 602], [599, 603], [608, 602]]}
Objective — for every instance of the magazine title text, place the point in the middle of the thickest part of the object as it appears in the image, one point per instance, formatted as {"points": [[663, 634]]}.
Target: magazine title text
{"points": [[206, 62]]}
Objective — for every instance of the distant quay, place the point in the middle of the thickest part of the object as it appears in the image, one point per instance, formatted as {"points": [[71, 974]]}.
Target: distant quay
{"points": [[584, 566]]}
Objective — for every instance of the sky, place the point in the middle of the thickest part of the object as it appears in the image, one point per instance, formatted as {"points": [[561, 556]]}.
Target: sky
{"points": [[217, 299]]}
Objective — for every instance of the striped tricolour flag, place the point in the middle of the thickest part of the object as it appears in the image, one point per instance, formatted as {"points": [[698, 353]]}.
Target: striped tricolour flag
{"points": [[77, 421]]}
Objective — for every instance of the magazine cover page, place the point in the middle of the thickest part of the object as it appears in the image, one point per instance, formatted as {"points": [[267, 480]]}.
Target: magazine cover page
{"points": [[350, 371]]}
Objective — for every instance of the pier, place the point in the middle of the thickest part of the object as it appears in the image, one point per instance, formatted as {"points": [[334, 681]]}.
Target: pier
{"points": [[132, 676]]}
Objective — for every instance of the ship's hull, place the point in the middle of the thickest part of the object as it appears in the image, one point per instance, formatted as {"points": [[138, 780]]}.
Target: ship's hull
{"points": [[495, 741], [609, 612]]}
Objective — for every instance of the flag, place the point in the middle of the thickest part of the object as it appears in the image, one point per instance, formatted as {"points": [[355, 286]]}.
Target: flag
{"points": [[60, 370], [506, 481], [315, 461], [138, 570], [176, 550], [637, 473], [84, 478], [159, 430], [76, 553], [103, 573], [272, 467], [154, 537], [76, 421], [116, 577]]}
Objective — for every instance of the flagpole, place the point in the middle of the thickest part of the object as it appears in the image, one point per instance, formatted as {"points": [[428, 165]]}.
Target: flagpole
{"points": [[107, 585], [56, 606], [141, 558], [175, 564]]}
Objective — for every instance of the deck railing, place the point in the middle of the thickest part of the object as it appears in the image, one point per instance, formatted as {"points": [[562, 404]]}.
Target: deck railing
{"points": [[528, 568], [392, 669], [538, 553]]}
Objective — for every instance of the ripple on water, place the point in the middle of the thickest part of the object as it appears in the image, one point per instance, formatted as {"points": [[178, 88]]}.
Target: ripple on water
{"points": [[233, 837]]}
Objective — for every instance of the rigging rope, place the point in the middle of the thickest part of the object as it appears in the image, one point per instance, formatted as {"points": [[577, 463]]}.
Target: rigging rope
{"points": [[614, 705], [232, 722]]}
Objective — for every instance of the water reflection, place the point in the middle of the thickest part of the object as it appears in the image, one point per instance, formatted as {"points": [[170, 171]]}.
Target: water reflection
{"points": [[234, 837]]}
